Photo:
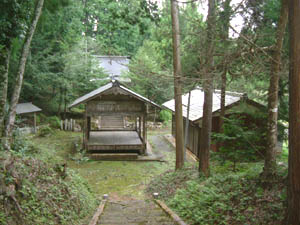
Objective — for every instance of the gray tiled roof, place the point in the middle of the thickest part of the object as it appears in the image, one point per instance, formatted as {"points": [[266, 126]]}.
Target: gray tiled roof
{"points": [[28, 107], [197, 100], [100, 90], [114, 65]]}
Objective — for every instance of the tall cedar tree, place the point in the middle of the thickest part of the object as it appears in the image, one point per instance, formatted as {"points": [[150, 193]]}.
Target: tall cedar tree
{"points": [[270, 157], [224, 36], [208, 92], [293, 217], [4, 60], [177, 85], [20, 74]]}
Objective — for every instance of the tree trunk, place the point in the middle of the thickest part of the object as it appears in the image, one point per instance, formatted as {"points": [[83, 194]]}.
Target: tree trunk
{"points": [[21, 69], [293, 215], [208, 93], [270, 157], [222, 104], [187, 121], [224, 36], [177, 85], [4, 68]]}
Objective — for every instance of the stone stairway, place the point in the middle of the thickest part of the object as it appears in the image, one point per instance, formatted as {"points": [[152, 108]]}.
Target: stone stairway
{"points": [[134, 212], [112, 122]]}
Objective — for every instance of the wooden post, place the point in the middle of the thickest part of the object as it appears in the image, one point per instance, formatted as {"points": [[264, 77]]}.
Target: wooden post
{"points": [[66, 124], [88, 127], [135, 122], [34, 122], [140, 126], [85, 129], [145, 133], [61, 125]]}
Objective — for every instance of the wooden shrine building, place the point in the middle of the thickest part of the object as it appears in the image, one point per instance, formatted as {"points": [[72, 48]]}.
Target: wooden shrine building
{"points": [[236, 104], [115, 119], [27, 109]]}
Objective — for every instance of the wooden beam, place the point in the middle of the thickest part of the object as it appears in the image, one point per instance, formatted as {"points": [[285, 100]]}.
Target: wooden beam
{"points": [[92, 114]]}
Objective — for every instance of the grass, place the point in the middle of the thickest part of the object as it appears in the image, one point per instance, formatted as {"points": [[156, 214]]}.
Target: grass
{"points": [[118, 178]]}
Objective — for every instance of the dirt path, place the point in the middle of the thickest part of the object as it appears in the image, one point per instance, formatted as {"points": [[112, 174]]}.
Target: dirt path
{"points": [[134, 212]]}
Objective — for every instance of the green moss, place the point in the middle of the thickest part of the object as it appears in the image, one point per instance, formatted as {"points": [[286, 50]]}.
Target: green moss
{"points": [[105, 177]]}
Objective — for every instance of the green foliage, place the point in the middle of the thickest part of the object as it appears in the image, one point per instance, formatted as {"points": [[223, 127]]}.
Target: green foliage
{"points": [[230, 199], [22, 145], [78, 154], [165, 116], [45, 131], [224, 198], [121, 26], [167, 183], [147, 75], [47, 193], [54, 122], [239, 142]]}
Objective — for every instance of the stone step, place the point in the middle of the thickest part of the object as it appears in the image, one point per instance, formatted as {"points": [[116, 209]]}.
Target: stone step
{"points": [[134, 212], [114, 156]]}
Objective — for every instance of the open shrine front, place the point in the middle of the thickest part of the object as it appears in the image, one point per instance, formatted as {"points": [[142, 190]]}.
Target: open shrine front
{"points": [[115, 122]]}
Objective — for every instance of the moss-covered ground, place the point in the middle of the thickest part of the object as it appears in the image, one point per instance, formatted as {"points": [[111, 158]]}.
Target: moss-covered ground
{"points": [[123, 179]]}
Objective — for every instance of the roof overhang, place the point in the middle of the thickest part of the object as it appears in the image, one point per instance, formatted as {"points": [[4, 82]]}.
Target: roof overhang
{"points": [[102, 90]]}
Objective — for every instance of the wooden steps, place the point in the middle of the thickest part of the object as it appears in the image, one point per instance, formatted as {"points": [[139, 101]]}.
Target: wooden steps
{"points": [[114, 156], [112, 122]]}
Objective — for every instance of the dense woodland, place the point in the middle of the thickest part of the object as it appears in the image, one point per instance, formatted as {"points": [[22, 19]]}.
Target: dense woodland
{"points": [[47, 53]]}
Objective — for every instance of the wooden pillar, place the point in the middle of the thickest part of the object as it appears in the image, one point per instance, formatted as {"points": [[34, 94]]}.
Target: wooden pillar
{"points": [[135, 122], [34, 122], [140, 126], [88, 127], [145, 133], [85, 129]]}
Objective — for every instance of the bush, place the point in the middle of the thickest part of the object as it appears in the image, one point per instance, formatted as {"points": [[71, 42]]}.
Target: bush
{"points": [[240, 143], [167, 183], [236, 198], [45, 131], [165, 116], [21, 144], [44, 194], [54, 122]]}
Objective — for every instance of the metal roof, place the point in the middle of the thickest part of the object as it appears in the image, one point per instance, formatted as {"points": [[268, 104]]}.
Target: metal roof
{"points": [[106, 87], [28, 107], [114, 65], [197, 100]]}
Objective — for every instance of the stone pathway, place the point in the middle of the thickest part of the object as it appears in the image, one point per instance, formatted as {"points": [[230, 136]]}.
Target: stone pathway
{"points": [[134, 212]]}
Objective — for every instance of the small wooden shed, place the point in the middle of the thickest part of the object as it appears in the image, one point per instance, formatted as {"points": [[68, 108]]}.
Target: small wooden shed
{"points": [[26, 109], [235, 103], [115, 119]]}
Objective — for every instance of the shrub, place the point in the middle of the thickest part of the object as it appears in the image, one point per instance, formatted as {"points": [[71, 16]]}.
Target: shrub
{"points": [[54, 122], [44, 194], [236, 198], [165, 116], [45, 131], [239, 142], [21, 144]]}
